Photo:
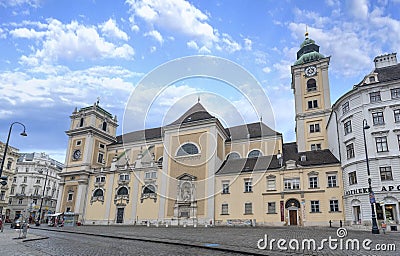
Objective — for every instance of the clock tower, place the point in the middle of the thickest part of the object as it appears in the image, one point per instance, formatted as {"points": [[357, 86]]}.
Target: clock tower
{"points": [[310, 86], [92, 129]]}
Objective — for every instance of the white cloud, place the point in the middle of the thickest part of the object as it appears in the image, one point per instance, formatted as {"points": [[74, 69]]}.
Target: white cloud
{"points": [[357, 8], [110, 29], [13, 3], [156, 35], [73, 41], [204, 50], [192, 45], [176, 15], [248, 44], [266, 70]]}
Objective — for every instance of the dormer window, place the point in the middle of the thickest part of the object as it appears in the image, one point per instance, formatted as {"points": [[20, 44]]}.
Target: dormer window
{"points": [[371, 79]]}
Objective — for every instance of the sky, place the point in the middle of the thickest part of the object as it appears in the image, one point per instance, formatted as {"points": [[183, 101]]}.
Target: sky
{"points": [[57, 55]]}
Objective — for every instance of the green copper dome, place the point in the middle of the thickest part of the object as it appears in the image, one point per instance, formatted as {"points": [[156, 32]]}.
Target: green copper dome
{"points": [[309, 57], [306, 42]]}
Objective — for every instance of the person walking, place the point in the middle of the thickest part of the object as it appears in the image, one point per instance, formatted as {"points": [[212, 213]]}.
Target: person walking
{"points": [[383, 227], [1, 225]]}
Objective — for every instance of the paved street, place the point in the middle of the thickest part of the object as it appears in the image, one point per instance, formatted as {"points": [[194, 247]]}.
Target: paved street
{"points": [[138, 240]]}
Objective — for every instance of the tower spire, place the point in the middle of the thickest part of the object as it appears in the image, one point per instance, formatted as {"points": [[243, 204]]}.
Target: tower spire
{"points": [[306, 34]]}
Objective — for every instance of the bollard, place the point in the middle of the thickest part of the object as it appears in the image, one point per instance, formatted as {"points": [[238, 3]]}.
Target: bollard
{"points": [[148, 223], [166, 224], [330, 223], [195, 225], [341, 224]]}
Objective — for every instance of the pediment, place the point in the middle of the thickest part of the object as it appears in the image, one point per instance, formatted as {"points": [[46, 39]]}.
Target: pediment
{"points": [[186, 176]]}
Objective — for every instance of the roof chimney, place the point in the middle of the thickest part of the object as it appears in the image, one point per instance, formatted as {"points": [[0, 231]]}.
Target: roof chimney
{"points": [[385, 60]]}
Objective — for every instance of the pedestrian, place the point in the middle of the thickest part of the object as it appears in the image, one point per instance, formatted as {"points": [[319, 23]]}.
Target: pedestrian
{"points": [[1, 224], [383, 227]]}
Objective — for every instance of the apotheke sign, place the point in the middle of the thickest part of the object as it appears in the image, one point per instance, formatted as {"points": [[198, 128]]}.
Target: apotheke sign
{"points": [[366, 191]]}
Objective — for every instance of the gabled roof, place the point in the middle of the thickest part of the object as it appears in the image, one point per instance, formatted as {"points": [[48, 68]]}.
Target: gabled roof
{"points": [[314, 157], [195, 113], [243, 165], [249, 131]]}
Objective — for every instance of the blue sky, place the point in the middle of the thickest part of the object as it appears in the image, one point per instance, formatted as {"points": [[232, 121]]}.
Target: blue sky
{"points": [[58, 55]]}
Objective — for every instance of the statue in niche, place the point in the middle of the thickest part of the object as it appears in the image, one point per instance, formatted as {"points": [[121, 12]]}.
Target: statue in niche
{"points": [[185, 191]]}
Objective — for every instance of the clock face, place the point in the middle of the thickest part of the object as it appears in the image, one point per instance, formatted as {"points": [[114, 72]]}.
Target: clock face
{"points": [[77, 154], [311, 70]]}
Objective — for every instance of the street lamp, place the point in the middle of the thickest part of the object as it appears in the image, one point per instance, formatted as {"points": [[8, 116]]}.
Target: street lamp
{"points": [[4, 179], [44, 189], [375, 229]]}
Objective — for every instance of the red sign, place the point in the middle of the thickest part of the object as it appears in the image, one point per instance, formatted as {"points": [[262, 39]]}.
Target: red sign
{"points": [[282, 211]]}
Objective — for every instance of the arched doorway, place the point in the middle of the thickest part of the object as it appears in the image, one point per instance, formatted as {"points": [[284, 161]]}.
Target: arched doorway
{"points": [[293, 206]]}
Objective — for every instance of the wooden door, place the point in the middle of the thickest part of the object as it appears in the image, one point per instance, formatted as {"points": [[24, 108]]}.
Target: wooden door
{"points": [[293, 217]]}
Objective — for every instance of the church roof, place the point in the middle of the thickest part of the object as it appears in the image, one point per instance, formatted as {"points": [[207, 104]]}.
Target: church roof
{"points": [[195, 113]]}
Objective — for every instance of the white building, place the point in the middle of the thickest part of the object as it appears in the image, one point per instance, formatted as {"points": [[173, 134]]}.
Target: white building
{"points": [[377, 100], [27, 185]]}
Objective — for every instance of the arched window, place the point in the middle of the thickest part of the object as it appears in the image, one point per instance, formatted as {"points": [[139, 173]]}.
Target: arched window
{"points": [[104, 126], [122, 191], [233, 155], [98, 192], [254, 153], [149, 189], [187, 149], [311, 85]]}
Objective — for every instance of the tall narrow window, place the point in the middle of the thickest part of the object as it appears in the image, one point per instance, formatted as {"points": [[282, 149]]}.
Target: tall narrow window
{"points": [[315, 206], [104, 127], [248, 186], [334, 205], [381, 144], [386, 173], [81, 122], [350, 150], [345, 107], [377, 118], [248, 208], [352, 178], [396, 113], [311, 85], [395, 93], [375, 96], [224, 209], [347, 127]]}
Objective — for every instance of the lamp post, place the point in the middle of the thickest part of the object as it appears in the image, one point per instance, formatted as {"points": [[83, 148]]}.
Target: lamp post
{"points": [[4, 179], [44, 189], [375, 229]]}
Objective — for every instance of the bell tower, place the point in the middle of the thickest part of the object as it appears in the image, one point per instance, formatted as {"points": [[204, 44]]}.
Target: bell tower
{"points": [[92, 129], [310, 86]]}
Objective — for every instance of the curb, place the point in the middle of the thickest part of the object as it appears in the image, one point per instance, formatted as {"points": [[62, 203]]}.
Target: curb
{"points": [[35, 239]]}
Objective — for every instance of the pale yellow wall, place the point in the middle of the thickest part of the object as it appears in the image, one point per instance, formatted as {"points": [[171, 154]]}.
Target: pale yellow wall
{"points": [[260, 196]]}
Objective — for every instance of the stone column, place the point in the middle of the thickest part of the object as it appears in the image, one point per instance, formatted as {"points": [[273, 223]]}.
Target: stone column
{"points": [[59, 197]]}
